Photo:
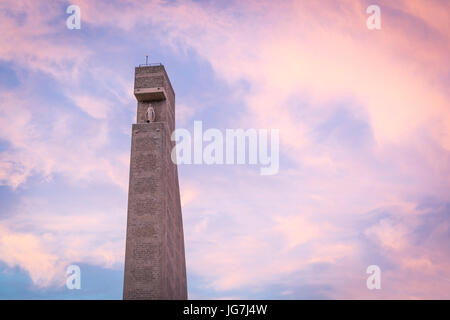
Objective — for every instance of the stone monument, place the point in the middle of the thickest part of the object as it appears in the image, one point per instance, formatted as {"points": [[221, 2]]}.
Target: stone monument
{"points": [[155, 266]]}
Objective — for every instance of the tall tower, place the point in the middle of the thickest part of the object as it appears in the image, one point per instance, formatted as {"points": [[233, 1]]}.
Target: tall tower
{"points": [[155, 266]]}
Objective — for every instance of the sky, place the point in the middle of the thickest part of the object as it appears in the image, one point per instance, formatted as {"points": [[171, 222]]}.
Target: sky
{"points": [[364, 126]]}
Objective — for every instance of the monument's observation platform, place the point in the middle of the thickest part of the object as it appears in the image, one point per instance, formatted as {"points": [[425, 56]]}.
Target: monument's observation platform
{"points": [[151, 83]]}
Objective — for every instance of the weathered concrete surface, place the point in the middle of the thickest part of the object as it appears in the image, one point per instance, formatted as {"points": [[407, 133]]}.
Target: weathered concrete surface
{"points": [[155, 266]]}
